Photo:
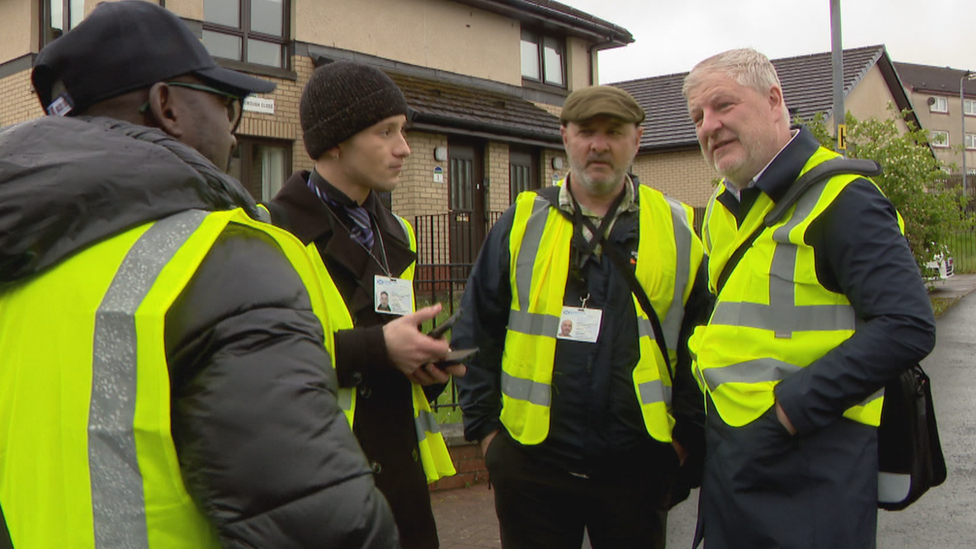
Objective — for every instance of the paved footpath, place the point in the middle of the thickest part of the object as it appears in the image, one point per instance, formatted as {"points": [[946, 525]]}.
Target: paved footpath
{"points": [[945, 518]]}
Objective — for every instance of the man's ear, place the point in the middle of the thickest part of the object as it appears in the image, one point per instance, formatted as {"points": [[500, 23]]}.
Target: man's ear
{"points": [[334, 153], [775, 98], [166, 110]]}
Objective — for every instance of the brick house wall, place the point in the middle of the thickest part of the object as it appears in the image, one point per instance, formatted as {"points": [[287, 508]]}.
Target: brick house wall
{"points": [[682, 175], [17, 100]]}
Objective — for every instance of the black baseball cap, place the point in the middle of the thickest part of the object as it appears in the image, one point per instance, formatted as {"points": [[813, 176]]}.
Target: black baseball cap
{"points": [[124, 46]]}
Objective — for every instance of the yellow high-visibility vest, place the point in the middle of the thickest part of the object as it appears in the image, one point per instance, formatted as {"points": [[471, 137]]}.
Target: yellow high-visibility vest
{"points": [[668, 257], [773, 316], [86, 455], [433, 450]]}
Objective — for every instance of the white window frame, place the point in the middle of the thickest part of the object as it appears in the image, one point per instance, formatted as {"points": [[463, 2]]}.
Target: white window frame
{"points": [[971, 141], [550, 53], [969, 107], [941, 104], [936, 142], [249, 41]]}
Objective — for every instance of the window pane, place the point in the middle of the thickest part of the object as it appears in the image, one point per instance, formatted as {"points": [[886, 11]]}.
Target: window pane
{"points": [[266, 16], [530, 59], [970, 106], [939, 138], [272, 160], [223, 12], [77, 12], [971, 140], [553, 61], [222, 45], [57, 16], [264, 53]]}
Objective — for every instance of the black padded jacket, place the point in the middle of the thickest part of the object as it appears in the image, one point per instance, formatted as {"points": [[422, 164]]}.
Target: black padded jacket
{"points": [[262, 444]]}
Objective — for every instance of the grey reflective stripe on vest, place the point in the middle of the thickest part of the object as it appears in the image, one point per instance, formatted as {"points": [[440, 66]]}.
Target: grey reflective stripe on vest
{"points": [[533, 323], [750, 371], [757, 371], [525, 262], [118, 501], [671, 326], [782, 316], [345, 399], [425, 423], [654, 391], [525, 389]]}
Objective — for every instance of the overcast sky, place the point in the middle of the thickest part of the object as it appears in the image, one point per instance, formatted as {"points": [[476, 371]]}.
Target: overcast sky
{"points": [[672, 35]]}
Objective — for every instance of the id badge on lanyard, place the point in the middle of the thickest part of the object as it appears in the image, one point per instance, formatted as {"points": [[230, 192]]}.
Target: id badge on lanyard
{"points": [[580, 324], [394, 296]]}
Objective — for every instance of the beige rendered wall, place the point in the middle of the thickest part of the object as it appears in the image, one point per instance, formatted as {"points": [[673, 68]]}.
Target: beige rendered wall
{"points": [[189, 9], [682, 175], [870, 99], [18, 27], [438, 34], [577, 64]]}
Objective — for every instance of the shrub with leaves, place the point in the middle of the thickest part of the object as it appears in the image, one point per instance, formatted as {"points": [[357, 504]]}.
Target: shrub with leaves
{"points": [[913, 178]]}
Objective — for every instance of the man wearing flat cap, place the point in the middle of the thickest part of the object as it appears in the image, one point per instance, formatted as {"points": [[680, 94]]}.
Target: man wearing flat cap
{"points": [[353, 118], [589, 432], [162, 351]]}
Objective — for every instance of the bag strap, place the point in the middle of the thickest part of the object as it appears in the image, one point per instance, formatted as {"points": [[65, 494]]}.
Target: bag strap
{"points": [[551, 194], [820, 172]]}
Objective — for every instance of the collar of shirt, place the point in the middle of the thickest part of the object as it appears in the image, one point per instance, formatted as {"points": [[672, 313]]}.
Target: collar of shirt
{"points": [[340, 197], [629, 203], [736, 193]]}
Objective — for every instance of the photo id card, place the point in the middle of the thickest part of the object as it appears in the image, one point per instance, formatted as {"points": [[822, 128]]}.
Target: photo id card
{"points": [[580, 324], [394, 296]]}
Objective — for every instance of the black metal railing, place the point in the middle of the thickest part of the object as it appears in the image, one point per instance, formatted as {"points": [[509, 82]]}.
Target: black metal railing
{"points": [[447, 246]]}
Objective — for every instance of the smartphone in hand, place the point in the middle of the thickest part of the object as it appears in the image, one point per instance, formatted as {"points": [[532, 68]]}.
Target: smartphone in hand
{"points": [[455, 357], [442, 328]]}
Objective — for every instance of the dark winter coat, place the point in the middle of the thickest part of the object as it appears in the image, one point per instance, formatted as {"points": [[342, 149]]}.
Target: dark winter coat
{"points": [[284, 471], [384, 410]]}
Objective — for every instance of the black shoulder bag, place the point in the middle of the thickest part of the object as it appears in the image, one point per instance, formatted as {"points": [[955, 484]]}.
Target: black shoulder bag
{"points": [[910, 459]]}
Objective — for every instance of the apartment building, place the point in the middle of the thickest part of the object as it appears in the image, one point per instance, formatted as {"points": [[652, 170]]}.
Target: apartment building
{"points": [[949, 117], [484, 80]]}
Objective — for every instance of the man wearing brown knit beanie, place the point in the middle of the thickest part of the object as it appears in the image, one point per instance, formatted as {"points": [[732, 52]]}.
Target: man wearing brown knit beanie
{"points": [[353, 118]]}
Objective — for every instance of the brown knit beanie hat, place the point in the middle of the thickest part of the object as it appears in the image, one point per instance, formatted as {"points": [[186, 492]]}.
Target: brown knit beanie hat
{"points": [[343, 98]]}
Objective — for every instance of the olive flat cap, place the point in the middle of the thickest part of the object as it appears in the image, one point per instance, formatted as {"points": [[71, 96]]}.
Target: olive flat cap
{"points": [[586, 103]]}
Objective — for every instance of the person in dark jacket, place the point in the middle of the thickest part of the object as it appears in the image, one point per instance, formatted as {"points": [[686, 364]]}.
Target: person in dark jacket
{"points": [[823, 308], [353, 117], [236, 438], [587, 430]]}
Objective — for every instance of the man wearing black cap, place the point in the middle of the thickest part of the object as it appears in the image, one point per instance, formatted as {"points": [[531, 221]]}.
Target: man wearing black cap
{"points": [[589, 431], [161, 351], [353, 119]]}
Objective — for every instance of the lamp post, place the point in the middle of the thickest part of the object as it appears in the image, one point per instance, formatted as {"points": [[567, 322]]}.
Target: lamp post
{"points": [[837, 64], [968, 75]]}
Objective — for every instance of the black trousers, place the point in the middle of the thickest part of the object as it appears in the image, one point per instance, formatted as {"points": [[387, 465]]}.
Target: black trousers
{"points": [[540, 506]]}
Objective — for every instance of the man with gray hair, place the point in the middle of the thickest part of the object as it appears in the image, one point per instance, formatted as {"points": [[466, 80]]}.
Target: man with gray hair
{"points": [[816, 310]]}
